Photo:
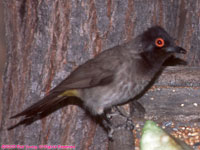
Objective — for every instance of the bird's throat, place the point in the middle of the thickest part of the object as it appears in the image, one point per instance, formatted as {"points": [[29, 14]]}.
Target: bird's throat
{"points": [[150, 64]]}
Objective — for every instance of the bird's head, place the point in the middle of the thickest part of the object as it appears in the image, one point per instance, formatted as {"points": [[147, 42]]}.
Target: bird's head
{"points": [[157, 44]]}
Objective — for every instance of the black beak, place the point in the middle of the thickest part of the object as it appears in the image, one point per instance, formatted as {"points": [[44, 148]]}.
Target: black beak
{"points": [[180, 50], [176, 49]]}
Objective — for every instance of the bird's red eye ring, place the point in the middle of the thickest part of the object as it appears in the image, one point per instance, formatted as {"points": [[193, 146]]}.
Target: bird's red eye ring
{"points": [[159, 42]]}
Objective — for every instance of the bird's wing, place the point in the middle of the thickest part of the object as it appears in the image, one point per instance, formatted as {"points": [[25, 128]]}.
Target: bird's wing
{"points": [[95, 72], [99, 71]]}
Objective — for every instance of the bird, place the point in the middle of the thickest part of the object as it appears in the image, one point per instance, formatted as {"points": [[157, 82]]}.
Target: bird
{"points": [[110, 79]]}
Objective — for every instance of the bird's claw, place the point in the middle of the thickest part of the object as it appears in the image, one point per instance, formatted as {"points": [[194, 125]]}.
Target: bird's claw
{"points": [[110, 134], [129, 124], [111, 128]]}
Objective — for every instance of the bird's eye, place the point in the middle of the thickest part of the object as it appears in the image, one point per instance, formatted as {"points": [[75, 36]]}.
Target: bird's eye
{"points": [[159, 42]]}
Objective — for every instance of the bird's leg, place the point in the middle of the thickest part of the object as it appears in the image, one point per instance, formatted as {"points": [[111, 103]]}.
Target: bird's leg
{"points": [[106, 120], [121, 111], [117, 111], [108, 123], [116, 120], [110, 114]]}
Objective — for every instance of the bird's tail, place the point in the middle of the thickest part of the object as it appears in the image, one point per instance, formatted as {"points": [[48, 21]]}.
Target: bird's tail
{"points": [[43, 107]]}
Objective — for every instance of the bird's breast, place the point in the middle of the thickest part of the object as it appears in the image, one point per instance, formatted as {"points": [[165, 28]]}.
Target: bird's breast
{"points": [[127, 84]]}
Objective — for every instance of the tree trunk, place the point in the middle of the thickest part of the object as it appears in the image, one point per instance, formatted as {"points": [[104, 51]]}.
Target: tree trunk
{"points": [[47, 39]]}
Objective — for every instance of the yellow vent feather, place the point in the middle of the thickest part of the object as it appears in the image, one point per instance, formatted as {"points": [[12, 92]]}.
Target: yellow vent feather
{"points": [[70, 93]]}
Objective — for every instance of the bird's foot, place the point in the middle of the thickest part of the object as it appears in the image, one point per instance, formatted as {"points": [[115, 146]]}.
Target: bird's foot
{"points": [[112, 129], [114, 121], [129, 124]]}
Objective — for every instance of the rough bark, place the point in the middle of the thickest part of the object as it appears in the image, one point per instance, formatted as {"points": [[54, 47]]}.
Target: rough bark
{"points": [[47, 39], [2, 51]]}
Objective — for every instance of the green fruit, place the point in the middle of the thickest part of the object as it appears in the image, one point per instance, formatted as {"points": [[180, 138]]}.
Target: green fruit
{"points": [[154, 138]]}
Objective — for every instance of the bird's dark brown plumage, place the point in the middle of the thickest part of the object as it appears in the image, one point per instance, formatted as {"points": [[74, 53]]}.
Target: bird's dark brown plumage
{"points": [[111, 78]]}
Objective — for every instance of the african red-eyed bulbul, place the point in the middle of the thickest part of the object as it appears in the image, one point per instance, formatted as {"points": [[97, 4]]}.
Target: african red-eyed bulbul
{"points": [[111, 78]]}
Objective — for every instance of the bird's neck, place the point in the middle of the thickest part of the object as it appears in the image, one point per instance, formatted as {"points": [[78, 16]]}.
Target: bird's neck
{"points": [[151, 62]]}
